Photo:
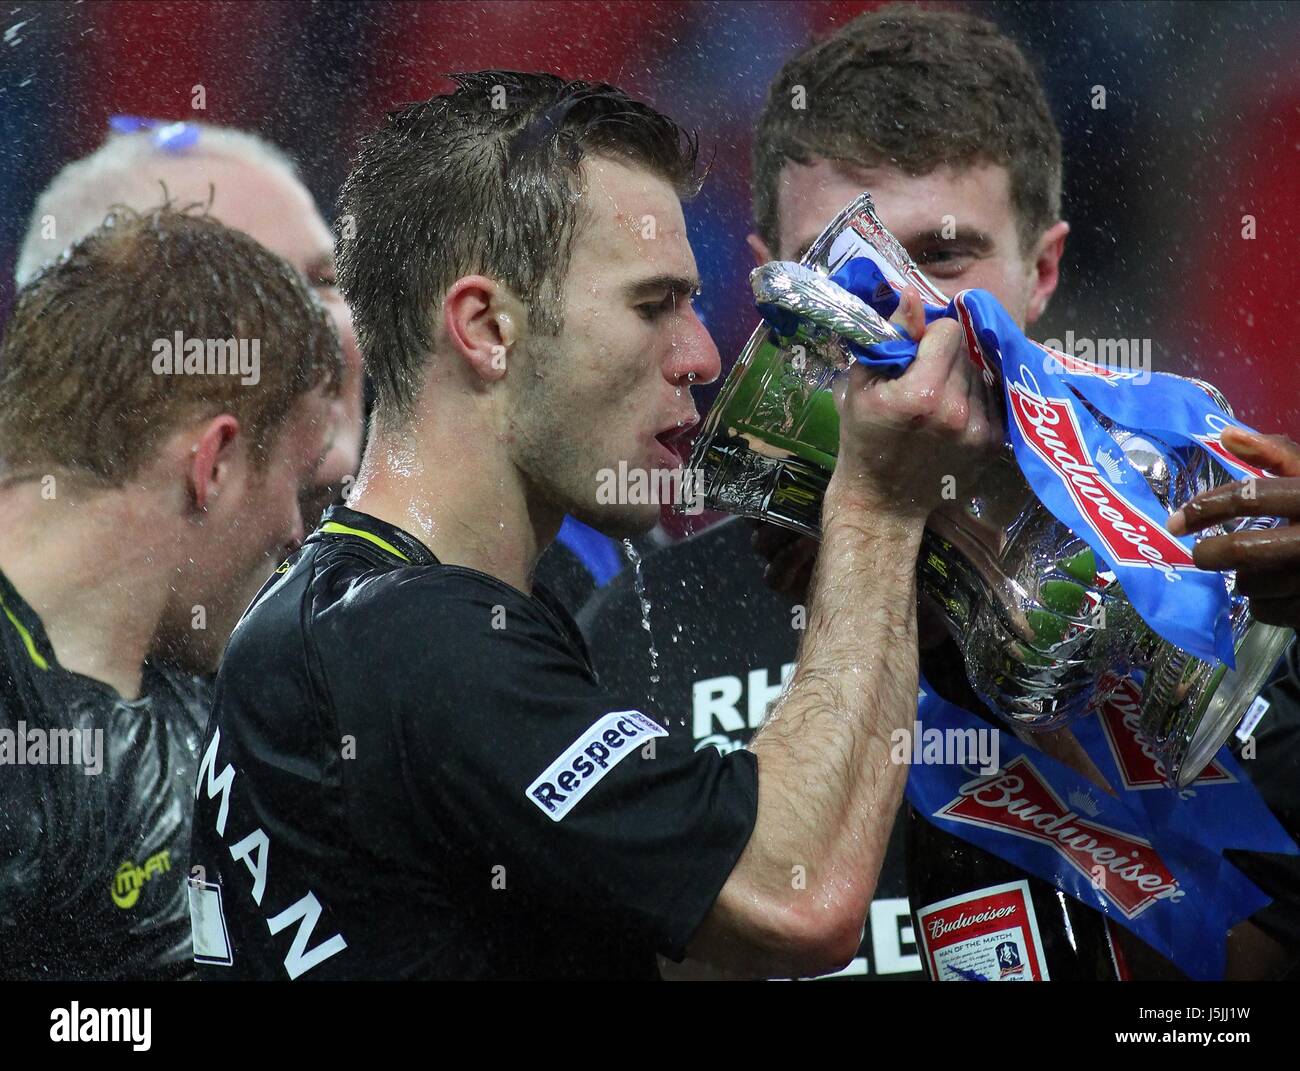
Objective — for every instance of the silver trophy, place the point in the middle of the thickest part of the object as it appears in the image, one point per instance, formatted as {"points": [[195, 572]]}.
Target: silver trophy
{"points": [[1046, 634]]}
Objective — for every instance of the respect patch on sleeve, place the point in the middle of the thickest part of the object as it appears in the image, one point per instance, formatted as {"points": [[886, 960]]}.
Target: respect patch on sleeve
{"points": [[597, 751]]}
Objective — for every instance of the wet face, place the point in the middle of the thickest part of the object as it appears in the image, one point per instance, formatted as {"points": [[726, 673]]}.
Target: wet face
{"points": [[958, 225], [251, 525], [613, 387]]}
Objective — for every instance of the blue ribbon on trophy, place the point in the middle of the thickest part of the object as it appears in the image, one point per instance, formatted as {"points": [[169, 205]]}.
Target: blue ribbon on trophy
{"points": [[1151, 860], [1220, 809], [1074, 465], [1163, 878]]}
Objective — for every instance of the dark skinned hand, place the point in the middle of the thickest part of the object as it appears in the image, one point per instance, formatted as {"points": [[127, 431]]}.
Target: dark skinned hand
{"points": [[1267, 562]]}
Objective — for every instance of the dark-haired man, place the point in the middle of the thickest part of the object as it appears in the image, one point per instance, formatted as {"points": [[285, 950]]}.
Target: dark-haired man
{"points": [[943, 119], [949, 143], [165, 396], [411, 770]]}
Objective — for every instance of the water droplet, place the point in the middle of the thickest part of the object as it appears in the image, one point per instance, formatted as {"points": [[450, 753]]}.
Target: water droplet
{"points": [[638, 586]]}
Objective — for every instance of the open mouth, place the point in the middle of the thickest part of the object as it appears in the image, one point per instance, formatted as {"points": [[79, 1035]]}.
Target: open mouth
{"points": [[680, 437]]}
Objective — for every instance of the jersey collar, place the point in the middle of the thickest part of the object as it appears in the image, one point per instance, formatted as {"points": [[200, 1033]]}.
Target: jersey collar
{"points": [[339, 520], [26, 626]]}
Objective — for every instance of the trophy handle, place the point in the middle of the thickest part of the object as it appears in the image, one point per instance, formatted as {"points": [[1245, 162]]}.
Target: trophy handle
{"points": [[815, 300]]}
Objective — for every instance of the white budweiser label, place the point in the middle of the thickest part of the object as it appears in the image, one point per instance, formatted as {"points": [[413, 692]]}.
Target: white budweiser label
{"points": [[1123, 868], [1139, 769], [989, 935], [1051, 430]]}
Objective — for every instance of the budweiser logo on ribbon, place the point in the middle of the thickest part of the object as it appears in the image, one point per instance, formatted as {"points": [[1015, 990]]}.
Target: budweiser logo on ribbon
{"points": [[1120, 717], [1132, 538], [1149, 860], [1018, 801]]}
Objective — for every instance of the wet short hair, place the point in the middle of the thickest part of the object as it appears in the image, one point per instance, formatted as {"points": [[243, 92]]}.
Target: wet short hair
{"points": [[78, 387], [485, 179], [914, 89]]}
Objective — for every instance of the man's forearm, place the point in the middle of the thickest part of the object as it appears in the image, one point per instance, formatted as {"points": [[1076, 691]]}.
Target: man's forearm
{"points": [[828, 791]]}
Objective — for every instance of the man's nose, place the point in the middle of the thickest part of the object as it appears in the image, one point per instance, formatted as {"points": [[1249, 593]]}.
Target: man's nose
{"points": [[695, 357]]}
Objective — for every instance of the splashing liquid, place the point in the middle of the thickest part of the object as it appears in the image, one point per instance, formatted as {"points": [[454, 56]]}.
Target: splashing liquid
{"points": [[638, 585]]}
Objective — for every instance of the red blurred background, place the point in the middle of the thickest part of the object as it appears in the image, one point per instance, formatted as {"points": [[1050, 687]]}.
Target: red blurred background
{"points": [[1201, 129]]}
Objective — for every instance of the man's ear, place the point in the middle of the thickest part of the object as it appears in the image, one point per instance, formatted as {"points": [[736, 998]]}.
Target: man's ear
{"points": [[1046, 269], [212, 460], [762, 255], [482, 321]]}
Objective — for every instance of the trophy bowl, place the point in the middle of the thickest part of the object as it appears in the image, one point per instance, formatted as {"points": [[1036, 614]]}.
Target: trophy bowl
{"points": [[1045, 631]]}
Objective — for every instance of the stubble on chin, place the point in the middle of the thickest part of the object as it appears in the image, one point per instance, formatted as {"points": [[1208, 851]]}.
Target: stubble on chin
{"points": [[557, 453], [192, 650], [620, 522], [196, 638]]}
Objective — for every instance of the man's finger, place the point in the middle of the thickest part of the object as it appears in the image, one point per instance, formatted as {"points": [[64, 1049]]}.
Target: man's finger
{"points": [[848, 389], [1276, 453], [1273, 497], [931, 374], [981, 414], [993, 408], [1275, 548], [910, 314]]}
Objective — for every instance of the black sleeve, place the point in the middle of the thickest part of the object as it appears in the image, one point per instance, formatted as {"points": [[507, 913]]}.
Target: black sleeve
{"points": [[32, 879], [23, 877], [513, 749]]}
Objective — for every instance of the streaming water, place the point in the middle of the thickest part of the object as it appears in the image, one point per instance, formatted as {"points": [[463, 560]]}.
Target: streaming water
{"points": [[638, 585]]}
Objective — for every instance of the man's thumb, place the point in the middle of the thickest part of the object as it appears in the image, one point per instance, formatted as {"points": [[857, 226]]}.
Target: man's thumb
{"points": [[910, 314]]}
